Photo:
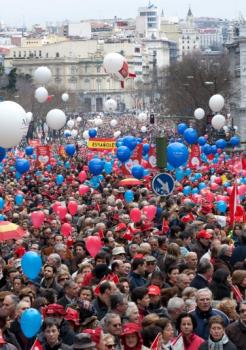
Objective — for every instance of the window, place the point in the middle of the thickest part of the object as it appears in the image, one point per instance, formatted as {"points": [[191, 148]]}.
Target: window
{"points": [[98, 69], [40, 53], [47, 54], [137, 49], [57, 54], [19, 54]]}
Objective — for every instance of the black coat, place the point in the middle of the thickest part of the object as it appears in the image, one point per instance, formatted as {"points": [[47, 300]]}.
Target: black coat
{"points": [[227, 346], [219, 285], [25, 343], [199, 282], [64, 301], [239, 254]]}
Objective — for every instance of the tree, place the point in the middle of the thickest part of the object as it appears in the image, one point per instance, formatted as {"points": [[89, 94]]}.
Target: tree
{"points": [[189, 84]]}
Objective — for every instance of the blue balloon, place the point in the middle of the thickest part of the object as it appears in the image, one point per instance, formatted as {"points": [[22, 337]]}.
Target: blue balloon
{"points": [[129, 196], [206, 149], [1, 169], [123, 153], [221, 206], [70, 149], [119, 142], [195, 190], [169, 167], [181, 128], [2, 153], [30, 322], [96, 166], [187, 171], [191, 136], [31, 264], [202, 185], [235, 140], [59, 179], [179, 174], [22, 165], [108, 167], [19, 199], [2, 202], [92, 133], [202, 140], [138, 171], [130, 142], [67, 164], [17, 175], [221, 143], [2, 217], [94, 182], [49, 167], [29, 151], [177, 154], [146, 147], [187, 190], [213, 149], [67, 133]]}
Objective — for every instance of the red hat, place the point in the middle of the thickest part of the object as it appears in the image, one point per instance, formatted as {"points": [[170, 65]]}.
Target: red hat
{"points": [[121, 226], [204, 234], [206, 208], [130, 328], [55, 309], [154, 290], [72, 315], [95, 334]]}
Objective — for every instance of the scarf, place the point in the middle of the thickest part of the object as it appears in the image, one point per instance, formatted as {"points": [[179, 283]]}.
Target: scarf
{"points": [[218, 345]]}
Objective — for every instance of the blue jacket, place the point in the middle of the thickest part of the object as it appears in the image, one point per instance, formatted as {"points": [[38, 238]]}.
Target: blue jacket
{"points": [[202, 319], [136, 280]]}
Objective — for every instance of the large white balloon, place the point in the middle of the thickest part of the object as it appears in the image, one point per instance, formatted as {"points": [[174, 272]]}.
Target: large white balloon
{"points": [[142, 117], [79, 119], [13, 123], [117, 133], [41, 94], [86, 135], [98, 122], [110, 105], [218, 121], [113, 122], [56, 119], [65, 97], [70, 123], [42, 75], [216, 103], [29, 116], [143, 129], [199, 113], [116, 65]]}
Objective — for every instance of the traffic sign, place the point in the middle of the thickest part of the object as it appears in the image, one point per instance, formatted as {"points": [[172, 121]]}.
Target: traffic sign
{"points": [[163, 184]]}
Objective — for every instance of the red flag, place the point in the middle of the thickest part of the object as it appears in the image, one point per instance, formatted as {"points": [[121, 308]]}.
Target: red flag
{"points": [[233, 203], [156, 345], [244, 161], [195, 157], [37, 345], [135, 159], [165, 226]]}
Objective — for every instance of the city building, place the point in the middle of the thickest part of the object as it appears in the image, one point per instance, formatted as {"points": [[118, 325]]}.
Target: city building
{"points": [[190, 39], [148, 22]]}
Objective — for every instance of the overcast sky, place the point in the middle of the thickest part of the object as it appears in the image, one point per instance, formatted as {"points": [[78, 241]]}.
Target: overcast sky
{"points": [[40, 11]]}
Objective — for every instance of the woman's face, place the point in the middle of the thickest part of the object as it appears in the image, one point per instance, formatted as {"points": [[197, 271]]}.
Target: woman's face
{"points": [[186, 326], [126, 287], [173, 275], [216, 331], [51, 334], [243, 283], [168, 333], [134, 315], [131, 340]]}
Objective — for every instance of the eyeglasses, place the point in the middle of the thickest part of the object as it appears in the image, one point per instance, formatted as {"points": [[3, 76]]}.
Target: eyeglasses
{"points": [[116, 325], [242, 311], [111, 346], [151, 263], [63, 279]]}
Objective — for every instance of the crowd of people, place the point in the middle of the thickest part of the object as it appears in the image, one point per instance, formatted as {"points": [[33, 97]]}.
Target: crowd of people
{"points": [[171, 282]]}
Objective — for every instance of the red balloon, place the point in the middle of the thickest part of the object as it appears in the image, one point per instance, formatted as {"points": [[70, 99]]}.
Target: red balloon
{"points": [[150, 211], [72, 207], [209, 196], [37, 218], [135, 215], [83, 189], [53, 161], [62, 212], [93, 245], [214, 186], [218, 180], [49, 98], [55, 206], [241, 190], [82, 176], [66, 229]]}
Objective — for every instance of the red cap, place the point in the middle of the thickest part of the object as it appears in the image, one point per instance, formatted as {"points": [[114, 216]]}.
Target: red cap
{"points": [[154, 290], [204, 234], [206, 208], [72, 315], [130, 328], [55, 309], [95, 334], [2, 341], [121, 226]]}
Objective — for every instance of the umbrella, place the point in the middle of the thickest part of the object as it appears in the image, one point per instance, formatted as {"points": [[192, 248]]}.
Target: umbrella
{"points": [[8, 230], [131, 181]]}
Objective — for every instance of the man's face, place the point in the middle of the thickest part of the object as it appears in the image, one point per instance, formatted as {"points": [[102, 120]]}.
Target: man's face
{"points": [[183, 283], [8, 305], [144, 303], [72, 291], [142, 269], [48, 272], [79, 250], [115, 326], [127, 268], [150, 266], [192, 260], [58, 239], [242, 313], [204, 301]]}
